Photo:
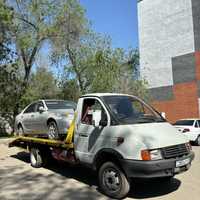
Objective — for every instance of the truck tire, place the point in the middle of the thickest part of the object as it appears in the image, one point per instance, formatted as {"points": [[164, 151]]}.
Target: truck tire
{"points": [[112, 181], [36, 158]]}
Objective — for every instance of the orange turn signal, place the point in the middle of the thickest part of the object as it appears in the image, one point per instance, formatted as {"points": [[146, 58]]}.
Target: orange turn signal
{"points": [[145, 154]]}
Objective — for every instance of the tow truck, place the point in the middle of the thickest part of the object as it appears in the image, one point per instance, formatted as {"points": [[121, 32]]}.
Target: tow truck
{"points": [[120, 137]]}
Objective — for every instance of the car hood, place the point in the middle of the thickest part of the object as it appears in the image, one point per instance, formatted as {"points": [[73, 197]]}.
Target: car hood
{"points": [[157, 135]]}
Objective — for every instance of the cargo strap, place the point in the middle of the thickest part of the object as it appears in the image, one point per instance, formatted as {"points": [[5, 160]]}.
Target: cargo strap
{"points": [[70, 132]]}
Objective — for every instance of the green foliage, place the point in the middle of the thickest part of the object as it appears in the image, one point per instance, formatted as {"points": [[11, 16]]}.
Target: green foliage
{"points": [[69, 90], [9, 84], [97, 67], [28, 25], [5, 24], [42, 86]]}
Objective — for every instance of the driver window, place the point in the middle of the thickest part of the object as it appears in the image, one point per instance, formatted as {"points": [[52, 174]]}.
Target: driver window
{"points": [[89, 106]]}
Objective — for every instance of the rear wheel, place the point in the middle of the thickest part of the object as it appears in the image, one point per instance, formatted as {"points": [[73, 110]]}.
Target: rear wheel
{"points": [[36, 158], [113, 181], [52, 130]]}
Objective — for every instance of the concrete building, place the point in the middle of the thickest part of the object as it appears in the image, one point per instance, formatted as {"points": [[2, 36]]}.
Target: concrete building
{"points": [[169, 43]]}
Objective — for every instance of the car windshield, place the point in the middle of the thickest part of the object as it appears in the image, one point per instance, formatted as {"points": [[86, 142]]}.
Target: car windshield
{"points": [[60, 105], [129, 110], [184, 122]]}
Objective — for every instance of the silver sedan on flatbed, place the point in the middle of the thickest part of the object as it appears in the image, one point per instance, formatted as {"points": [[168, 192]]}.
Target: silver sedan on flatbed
{"points": [[45, 118]]}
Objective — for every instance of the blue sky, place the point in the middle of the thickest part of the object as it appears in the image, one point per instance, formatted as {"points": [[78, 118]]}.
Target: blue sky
{"points": [[117, 18]]}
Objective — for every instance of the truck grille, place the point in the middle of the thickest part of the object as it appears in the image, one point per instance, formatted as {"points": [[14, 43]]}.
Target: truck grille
{"points": [[175, 151]]}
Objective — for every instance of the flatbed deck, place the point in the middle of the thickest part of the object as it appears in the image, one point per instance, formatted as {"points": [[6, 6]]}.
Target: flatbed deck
{"points": [[25, 141]]}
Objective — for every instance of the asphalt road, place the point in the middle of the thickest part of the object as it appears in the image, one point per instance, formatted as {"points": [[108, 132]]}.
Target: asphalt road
{"points": [[19, 181]]}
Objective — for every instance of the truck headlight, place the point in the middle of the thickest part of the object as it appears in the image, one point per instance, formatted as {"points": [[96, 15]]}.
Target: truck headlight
{"points": [[151, 154], [156, 154]]}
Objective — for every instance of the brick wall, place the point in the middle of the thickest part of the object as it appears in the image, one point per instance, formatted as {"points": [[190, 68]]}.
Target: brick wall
{"points": [[185, 102]]}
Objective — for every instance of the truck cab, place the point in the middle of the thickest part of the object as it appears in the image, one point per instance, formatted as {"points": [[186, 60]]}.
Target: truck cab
{"points": [[124, 130]]}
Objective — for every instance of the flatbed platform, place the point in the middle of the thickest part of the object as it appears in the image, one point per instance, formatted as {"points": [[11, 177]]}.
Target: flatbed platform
{"points": [[27, 141]]}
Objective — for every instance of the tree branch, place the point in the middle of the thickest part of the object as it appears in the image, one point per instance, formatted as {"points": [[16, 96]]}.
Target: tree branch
{"points": [[73, 61], [28, 22]]}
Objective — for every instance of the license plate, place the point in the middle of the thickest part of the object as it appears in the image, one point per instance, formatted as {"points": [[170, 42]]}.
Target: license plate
{"points": [[181, 163]]}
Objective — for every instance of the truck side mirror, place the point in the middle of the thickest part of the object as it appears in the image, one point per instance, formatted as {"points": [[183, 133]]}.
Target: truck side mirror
{"points": [[41, 109], [163, 115], [96, 118]]}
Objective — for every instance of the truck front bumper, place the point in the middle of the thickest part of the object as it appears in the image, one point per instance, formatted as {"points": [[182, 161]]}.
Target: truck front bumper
{"points": [[155, 168]]}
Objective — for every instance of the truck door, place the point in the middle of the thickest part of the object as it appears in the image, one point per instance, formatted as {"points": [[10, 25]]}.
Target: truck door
{"points": [[87, 136]]}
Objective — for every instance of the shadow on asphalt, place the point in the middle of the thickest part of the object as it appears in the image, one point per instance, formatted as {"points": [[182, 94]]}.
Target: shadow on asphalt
{"points": [[154, 188], [139, 189]]}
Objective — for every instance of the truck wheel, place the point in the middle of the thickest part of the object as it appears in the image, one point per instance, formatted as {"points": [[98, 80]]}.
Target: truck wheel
{"points": [[198, 140], [52, 130], [112, 181], [36, 158]]}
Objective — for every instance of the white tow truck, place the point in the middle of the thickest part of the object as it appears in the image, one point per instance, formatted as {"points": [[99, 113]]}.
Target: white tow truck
{"points": [[119, 136]]}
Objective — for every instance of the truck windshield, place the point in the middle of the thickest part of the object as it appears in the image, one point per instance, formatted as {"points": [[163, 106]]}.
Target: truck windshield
{"points": [[130, 110]]}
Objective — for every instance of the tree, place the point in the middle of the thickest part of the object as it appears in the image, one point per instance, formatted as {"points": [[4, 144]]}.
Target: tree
{"points": [[6, 17], [8, 67], [34, 23], [42, 85], [97, 67], [69, 90]]}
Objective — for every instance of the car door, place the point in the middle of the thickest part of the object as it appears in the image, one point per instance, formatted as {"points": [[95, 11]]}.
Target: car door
{"points": [[87, 135], [27, 118], [40, 119]]}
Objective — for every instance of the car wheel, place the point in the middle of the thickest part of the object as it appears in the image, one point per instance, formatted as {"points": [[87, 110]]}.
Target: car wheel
{"points": [[112, 181], [20, 131], [198, 140], [52, 130]]}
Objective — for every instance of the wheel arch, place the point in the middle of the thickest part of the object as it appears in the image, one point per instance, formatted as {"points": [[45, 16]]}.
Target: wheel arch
{"points": [[104, 155], [50, 120]]}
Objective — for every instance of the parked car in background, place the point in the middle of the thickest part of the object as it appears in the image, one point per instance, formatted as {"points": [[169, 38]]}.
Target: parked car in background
{"points": [[190, 128], [46, 118]]}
